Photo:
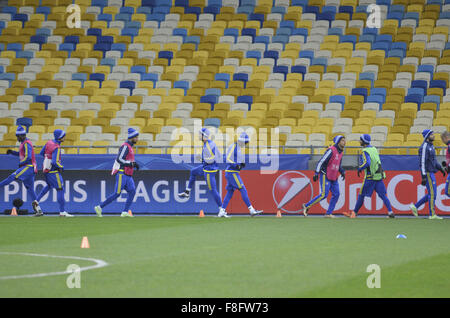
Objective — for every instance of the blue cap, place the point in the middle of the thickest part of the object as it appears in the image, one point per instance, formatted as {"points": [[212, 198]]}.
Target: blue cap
{"points": [[426, 133], [365, 138], [205, 132], [337, 139], [132, 133], [59, 133], [20, 131], [244, 137]]}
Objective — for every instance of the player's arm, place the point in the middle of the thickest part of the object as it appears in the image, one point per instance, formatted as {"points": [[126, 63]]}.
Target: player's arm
{"points": [[56, 159], [231, 154], [209, 153], [341, 170], [123, 153], [28, 152], [364, 160], [326, 156]]}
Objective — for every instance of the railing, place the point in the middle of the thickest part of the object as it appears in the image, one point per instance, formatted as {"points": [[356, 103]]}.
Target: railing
{"points": [[312, 149]]}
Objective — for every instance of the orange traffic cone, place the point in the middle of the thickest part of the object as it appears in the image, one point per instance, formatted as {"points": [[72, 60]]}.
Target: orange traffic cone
{"points": [[85, 242], [129, 212], [201, 214], [278, 214], [14, 212]]}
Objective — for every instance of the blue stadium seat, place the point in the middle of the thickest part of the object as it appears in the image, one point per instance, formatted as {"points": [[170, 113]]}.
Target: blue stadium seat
{"points": [[417, 99], [245, 99], [153, 77], [248, 32], [128, 84], [299, 69], [225, 77], [283, 69], [376, 99], [214, 122], [181, 84], [94, 31], [97, 77], [438, 84], [241, 77], [45, 99], [82, 77], [24, 121], [360, 91], [105, 17], [209, 99], [14, 47], [338, 99]]}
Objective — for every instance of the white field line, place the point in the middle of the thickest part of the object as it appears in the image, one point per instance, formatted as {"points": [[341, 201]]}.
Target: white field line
{"points": [[98, 264]]}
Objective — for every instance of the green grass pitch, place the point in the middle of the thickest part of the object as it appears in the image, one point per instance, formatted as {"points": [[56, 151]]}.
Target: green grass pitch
{"points": [[150, 256]]}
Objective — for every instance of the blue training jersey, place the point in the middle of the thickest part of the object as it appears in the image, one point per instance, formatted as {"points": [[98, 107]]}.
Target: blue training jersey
{"points": [[427, 159], [234, 157], [210, 153]]}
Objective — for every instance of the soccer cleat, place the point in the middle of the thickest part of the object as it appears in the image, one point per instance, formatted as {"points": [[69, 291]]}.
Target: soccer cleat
{"points": [[36, 208], [65, 214], [435, 217], [391, 215], [305, 210], [350, 215], [184, 194], [254, 212], [330, 216], [414, 210], [126, 215], [222, 213], [98, 210]]}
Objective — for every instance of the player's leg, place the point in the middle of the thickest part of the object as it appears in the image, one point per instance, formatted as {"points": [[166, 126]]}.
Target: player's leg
{"points": [[8, 180], [59, 186], [432, 190], [244, 194], [380, 189], [366, 190], [194, 173], [28, 181], [447, 186], [46, 189], [324, 189], [334, 188], [119, 185], [212, 187], [231, 186], [131, 192]]}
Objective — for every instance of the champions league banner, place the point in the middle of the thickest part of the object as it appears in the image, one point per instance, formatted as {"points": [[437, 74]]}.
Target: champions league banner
{"points": [[158, 185]]}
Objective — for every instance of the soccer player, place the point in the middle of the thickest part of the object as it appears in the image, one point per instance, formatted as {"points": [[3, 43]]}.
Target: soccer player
{"points": [[123, 170], [236, 162], [327, 170], [428, 167], [27, 168], [445, 136], [53, 169], [373, 179], [194, 173]]}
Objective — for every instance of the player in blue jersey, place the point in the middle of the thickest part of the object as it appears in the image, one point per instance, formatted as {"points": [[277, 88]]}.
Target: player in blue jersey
{"points": [[373, 179], [123, 169], [445, 136], [428, 167], [209, 169], [236, 162], [27, 167]]}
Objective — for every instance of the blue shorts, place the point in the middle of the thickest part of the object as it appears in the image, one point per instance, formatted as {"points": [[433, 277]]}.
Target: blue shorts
{"points": [[24, 173], [234, 180], [369, 186], [124, 182], [54, 180]]}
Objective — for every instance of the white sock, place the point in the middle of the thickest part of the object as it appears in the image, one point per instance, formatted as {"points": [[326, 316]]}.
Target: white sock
{"points": [[251, 208]]}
